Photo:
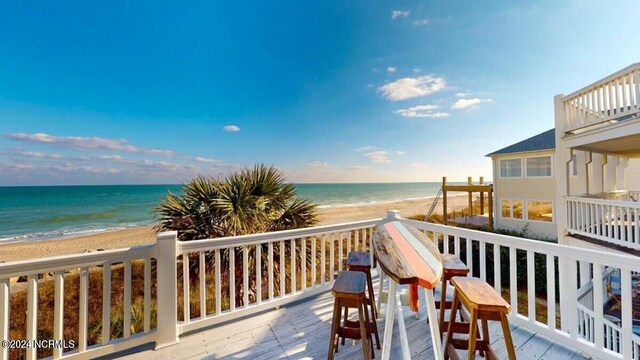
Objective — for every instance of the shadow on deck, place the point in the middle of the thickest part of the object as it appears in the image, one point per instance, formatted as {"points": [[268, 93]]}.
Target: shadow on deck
{"points": [[301, 331]]}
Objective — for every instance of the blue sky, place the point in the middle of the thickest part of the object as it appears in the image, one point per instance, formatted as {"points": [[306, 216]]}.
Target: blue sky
{"points": [[329, 91]]}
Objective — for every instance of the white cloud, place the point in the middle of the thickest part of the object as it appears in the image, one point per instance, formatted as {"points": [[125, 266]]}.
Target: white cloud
{"points": [[422, 111], [461, 94], [231, 128], [110, 157], [422, 22], [206, 160], [379, 156], [416, 70], [465, 103], [407, 88], [392, 69], [366, 148], [399, 13], [86, 143], [318, 164], [32, 154], [400, 152], [358, 167]]}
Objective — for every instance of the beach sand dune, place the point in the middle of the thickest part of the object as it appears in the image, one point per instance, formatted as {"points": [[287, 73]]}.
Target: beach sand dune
{"points": [[145, 235]]}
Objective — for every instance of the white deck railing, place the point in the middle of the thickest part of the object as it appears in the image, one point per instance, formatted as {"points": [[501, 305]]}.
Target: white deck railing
{"points": [[615, 97], [615, 222], [251, 265]]}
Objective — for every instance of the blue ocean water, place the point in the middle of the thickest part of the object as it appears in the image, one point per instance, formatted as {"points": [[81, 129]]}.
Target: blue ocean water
{"points": [[45, 212]]}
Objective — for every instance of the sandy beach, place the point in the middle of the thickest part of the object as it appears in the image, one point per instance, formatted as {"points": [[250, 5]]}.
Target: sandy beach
{"points": [[145, 235]]}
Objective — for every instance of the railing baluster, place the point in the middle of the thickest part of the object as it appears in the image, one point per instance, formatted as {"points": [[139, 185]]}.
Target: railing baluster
{"points": [[531, 286], [340, 253], [456, 246], [232, 278], [218, 282], [282, 269], [445, 244], [482, 248], [314, 274], [58, 312], [469, 256], [271, 279], [598, 304], [186, 308], [293, 266], [5, 295], [348, 238], [147, 295], [32, 314], [83, 311], [497, 275], [203, 288], [106, 303], [127, 300], [258, 273], [355, 241], [303, 263], [636, 222], [513, 280], [627, 311], [323, 259], [551, 292], [245, 276], [371, 252], [332, 257]]}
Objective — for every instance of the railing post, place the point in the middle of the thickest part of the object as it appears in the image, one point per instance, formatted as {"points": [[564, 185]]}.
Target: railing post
{"points": [[167, 275], [393, 215], [562, 158]]}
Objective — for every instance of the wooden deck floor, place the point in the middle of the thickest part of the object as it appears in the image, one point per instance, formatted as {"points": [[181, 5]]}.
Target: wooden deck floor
{"points": [[301, 331]]}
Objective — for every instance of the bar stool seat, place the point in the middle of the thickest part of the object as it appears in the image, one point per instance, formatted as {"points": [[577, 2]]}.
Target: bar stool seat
{"points": [[349, 292], [484, 304], [451, 266]]}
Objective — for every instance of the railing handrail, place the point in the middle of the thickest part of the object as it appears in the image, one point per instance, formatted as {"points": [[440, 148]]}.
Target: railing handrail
{"points": [[207, 244], [602, 81], [620, 203], [628, 262], [61, 262]]}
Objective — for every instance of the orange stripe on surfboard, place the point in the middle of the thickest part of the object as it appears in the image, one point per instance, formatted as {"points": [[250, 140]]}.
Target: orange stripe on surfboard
{"points": [[419, 266]]}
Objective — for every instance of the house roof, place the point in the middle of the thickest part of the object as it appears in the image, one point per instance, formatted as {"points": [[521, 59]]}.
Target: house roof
{"points": [[543, 141]]}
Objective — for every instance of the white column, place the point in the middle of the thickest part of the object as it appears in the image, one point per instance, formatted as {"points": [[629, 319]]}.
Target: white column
{"points": [[621, 173], [610, 173], [582, 186], [167, 251], [561, 169], [598, 162]]}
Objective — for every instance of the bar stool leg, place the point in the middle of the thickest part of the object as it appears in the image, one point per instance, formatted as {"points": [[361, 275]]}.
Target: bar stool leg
{"points": [[363, 331], [443, 301], [436, 337], [371, 295], [335, 322], [346, 317], [380, 289], [473, 330], [485, 335], [452, 320], [367, 321], [507, 336]]}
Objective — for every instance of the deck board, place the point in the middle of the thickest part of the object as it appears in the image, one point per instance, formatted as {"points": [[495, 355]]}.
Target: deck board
{"points": [[301, 331]]}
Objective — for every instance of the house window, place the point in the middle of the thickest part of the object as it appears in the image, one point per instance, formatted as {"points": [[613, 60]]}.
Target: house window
{"points": [[540, 210], [506, 209], [539, 166], [510, 168], [518, 210]]}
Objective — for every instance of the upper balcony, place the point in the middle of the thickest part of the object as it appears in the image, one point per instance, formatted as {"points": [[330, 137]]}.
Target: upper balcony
{"points": [[611, 100]]}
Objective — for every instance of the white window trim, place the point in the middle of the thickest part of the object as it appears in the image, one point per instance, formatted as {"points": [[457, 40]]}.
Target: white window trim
{"points": [[510, 208], [537, 177], [553, 211], [522, 168]]}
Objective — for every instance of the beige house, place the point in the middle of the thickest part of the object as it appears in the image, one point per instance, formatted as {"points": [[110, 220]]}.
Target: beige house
{"points": [[524, 186]]}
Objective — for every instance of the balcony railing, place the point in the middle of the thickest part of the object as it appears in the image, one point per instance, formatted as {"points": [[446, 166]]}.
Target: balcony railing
{"points": [[613, 98], [267, 270], [612, 221]]}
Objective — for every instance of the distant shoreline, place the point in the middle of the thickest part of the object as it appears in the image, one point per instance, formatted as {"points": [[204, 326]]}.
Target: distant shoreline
{"points": [[124, 238]]}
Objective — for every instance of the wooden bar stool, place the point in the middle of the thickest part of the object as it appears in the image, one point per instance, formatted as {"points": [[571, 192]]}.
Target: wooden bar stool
{"points": [[361, 261], [349, 292], [451, 266], [484, 304]]}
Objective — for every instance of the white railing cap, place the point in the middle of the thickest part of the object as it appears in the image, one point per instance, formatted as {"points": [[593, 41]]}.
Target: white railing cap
{"points": [[630, 68]]}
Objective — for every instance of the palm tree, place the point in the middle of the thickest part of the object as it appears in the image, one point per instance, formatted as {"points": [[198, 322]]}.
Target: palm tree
{"points": [[249, 201]]}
